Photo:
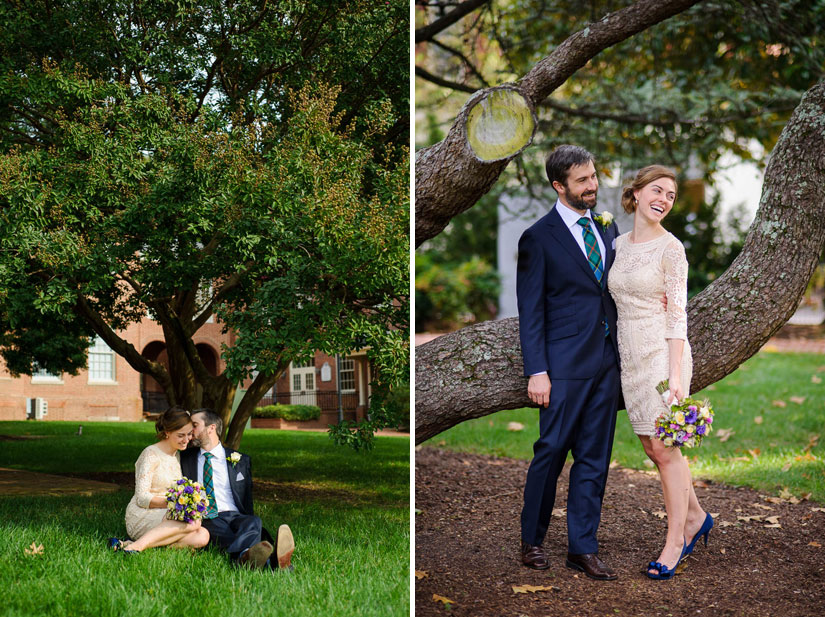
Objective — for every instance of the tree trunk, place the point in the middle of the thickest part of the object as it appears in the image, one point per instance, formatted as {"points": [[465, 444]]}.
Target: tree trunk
{"points": [[477, 370], [450, 177]]}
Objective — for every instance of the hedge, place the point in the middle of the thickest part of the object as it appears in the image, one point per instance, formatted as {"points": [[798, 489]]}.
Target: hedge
{"points": [[291, 413]]}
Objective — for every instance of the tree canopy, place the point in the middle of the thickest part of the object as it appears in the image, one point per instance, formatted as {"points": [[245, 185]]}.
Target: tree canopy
{"points": [[241, 159]]}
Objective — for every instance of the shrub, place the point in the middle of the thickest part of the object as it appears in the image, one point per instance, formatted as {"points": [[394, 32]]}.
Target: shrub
{"points": [[291, 413]]}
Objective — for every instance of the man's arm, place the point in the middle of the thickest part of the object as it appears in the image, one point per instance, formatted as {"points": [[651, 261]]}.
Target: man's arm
{"points": [[529, 286]]}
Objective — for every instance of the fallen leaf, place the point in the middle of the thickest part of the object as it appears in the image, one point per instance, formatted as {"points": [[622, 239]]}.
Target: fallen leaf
{"points": [[814, 544], [820, 369], [715, 515], [419, 574], [466, 462], [442, 599], [761, 505], [748, 519], [614, 463], [755, 452], [817, 509], [815, 379], [533, 588], [776, 526], [794, 500], [724, 434], [785, 493], [417, 511], [798, 399], [773, 500], [34, 549], [660, 514], [773, 520], [811, 443], [490, 423], [805, 496], [758, 419], [780, 403], [700, 484], [723, 524], [721, 550], [515, 427], [559, 512], [786, 466], [649, 463]]}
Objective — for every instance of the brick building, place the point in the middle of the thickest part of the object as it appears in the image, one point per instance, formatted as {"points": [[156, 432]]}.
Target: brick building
{"points": [[111, 390]]}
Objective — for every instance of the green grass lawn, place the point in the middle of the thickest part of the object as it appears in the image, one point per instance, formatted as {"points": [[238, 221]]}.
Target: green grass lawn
{"points": [[349, 513], [772, 447]]}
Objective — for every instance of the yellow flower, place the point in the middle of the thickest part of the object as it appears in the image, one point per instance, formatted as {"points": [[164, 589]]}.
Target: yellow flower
{"points": [[679, 418], [182, 500], [196, 497], [690, 428]]}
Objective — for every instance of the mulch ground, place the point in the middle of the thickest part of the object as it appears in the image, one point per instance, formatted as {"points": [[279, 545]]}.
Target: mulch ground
{"points": [[467, 548]]}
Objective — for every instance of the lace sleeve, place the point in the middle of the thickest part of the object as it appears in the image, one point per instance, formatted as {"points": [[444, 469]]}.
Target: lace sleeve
{"points": [[675, 266], [145, 468]]}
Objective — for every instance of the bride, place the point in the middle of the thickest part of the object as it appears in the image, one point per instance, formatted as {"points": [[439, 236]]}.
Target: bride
{"points": [[156, 469], [650, 262]]}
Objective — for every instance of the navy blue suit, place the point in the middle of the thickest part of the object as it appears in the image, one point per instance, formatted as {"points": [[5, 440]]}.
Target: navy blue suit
{"points": [[562, 314]]}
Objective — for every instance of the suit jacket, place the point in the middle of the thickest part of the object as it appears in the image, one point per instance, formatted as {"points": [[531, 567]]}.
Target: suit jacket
{"points": [[562, 307], [241, 489]]}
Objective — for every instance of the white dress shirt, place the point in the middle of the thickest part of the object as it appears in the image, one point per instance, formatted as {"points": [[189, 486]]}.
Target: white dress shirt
{"points": [[220, 478], [571, 219]]}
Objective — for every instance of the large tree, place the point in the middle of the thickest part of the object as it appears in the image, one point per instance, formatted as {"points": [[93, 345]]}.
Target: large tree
{"points": [[243, 159], [478, 370]]}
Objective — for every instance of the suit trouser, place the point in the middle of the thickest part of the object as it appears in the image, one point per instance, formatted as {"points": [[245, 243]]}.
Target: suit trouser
{"points": [[233, 532], [581, 419]]}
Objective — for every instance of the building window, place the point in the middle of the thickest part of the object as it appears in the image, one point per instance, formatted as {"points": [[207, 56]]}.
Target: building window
{"points": [[347, 375], [41, 375], [101, 362], [303, 376]]}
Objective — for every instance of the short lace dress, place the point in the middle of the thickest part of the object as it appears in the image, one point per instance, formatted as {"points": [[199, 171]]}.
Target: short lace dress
{"points": [[640, 276], [155, 471]]}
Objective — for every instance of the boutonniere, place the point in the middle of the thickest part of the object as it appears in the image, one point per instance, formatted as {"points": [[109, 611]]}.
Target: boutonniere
{"points": [[604, 219], [234, 458]]}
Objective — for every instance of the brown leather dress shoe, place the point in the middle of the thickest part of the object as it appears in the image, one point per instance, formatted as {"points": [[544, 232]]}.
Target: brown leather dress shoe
{"points": [[257, 555], [591, 565], [534, 557]]}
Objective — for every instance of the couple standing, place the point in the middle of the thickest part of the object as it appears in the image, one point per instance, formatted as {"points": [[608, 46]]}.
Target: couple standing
{"points": [[226, 475], [572, 266]]}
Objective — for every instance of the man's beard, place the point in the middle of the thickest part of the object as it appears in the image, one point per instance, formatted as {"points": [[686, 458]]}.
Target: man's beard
{"points": [[196, 442], [579, 203]]}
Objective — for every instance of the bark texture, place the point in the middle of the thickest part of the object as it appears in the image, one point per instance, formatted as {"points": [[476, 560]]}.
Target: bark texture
{"points": [[477, 370], [449, 178]]}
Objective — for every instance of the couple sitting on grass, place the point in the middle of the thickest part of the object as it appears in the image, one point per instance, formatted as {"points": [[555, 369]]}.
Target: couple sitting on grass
{"points": [[226, 477]]}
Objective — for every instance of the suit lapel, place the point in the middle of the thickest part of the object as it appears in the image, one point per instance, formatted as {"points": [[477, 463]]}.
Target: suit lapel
{"points": [[563, 236]]}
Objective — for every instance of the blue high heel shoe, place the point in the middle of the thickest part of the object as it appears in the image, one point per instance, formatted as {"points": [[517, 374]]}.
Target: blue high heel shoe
{"points": [[707, 525], [663, 572], [115, 544]]}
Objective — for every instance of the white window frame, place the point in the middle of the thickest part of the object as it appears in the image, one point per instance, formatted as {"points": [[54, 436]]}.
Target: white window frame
{"points": [[43, 376], [100, 348], [349, 363]]}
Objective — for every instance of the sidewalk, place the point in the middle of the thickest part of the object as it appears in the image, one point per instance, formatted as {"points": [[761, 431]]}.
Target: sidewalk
{"points": [[17, 482]]}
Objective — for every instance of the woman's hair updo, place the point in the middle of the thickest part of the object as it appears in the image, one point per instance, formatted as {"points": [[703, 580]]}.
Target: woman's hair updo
{"points": [[171, 420], [645, 176]]}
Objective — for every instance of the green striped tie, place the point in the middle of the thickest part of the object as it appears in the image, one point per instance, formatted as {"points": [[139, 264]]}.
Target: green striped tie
{"points": [[208, 485], [594, 255]]}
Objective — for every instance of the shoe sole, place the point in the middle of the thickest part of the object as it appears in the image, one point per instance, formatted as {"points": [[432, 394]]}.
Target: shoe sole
{"points": [[257, 555], [286, 546], [532, 567], [576, 566]]}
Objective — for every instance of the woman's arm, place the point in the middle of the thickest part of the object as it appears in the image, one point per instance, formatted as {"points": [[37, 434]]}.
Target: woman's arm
{"points": [[675, 267]]}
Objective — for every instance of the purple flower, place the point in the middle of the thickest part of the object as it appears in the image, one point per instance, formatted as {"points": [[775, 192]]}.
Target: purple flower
{"points": [[179, 507], [701, 429], [200, 507], [188, 490], [673, 426], [692, 407], [690, 417], [182, 481], [681, 437]]}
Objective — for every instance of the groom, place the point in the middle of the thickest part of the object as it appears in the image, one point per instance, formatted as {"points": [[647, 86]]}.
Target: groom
{"points": [[227, 477], [567, 326]]}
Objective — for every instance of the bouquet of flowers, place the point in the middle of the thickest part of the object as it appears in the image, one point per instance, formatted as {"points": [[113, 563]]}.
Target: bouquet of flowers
{"points": [[186, 501], [686, 422]]}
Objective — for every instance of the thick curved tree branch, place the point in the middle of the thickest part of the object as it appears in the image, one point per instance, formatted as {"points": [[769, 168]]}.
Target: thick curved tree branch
{"points": [[478, 370], [449, 177]]}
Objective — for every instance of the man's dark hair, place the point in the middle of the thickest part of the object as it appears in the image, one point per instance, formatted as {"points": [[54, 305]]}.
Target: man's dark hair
{"points": [[560, 160], [210, 417]]}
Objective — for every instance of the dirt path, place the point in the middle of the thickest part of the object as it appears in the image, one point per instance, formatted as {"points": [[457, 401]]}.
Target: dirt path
{"points": [[467, 535]]}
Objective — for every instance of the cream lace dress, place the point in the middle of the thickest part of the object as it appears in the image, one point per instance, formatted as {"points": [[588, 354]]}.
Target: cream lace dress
{"points": [[155, 471], [641, 274]]}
